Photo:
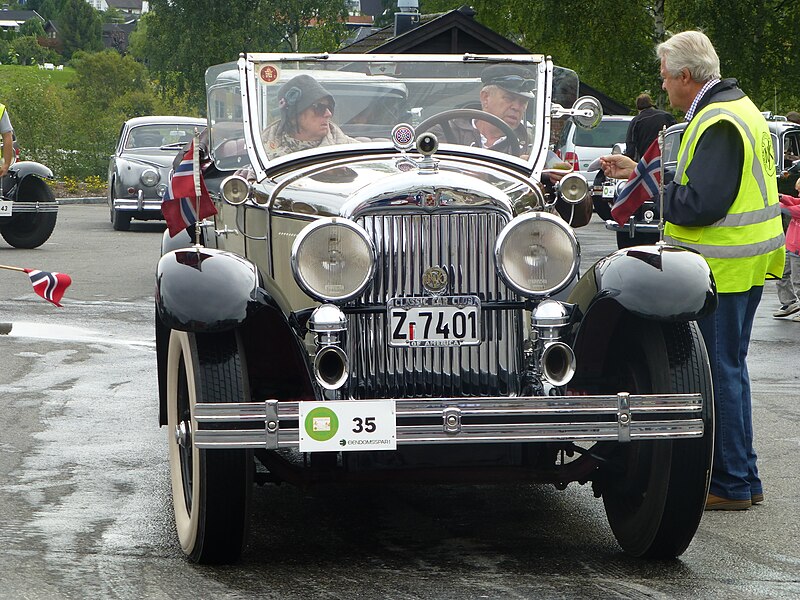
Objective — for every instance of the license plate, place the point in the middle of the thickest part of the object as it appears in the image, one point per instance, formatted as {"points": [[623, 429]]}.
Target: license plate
{"points": [[434, 321], [609, 190], [6, 207]]}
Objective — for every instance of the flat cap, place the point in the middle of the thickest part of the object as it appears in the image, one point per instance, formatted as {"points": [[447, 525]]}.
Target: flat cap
{"points": [[512, 78]]}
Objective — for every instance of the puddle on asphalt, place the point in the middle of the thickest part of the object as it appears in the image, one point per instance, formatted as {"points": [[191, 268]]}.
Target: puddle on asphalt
{"points": [[48, 331]]}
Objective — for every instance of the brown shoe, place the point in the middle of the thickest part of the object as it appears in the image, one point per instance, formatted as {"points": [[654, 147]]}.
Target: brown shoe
{"points": [[719, 503], [756, 499]]}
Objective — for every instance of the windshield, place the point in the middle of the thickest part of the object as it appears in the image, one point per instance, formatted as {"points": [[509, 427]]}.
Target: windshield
{"points": [[605, 135], [296, 104], [155, 136]]}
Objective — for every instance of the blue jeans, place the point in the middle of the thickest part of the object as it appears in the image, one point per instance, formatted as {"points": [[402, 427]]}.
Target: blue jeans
{"points": [[727, 336]]}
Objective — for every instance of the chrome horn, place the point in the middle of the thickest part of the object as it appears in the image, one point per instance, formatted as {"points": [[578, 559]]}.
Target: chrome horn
{"points": [[549, 322]]}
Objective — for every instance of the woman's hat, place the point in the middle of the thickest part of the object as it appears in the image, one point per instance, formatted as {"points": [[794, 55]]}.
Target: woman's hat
{"points": [[300, 92]]}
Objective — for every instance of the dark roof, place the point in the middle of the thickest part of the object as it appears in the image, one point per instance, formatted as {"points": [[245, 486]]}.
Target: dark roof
{"points": [[126, 28], [457, 32], [20, 15], [125, 4]]}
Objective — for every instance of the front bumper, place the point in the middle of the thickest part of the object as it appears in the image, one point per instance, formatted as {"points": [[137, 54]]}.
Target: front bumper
{"points": [[140, 205], [32, 207], [616, 418], [633, 227]]}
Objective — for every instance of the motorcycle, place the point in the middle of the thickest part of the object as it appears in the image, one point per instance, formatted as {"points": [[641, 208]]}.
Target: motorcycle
{"points": [[28, 208]]}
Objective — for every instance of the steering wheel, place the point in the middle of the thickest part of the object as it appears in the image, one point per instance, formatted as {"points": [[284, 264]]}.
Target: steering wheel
{"points": [[509, 145]]}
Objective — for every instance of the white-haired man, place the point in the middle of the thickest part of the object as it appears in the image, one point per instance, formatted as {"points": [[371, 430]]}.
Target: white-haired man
{"points": [[722, 202]]}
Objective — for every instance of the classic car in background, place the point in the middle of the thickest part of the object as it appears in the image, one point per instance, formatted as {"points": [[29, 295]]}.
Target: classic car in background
{"points": [[139, 168], [642, 227], [393, 307], [28, 208]]}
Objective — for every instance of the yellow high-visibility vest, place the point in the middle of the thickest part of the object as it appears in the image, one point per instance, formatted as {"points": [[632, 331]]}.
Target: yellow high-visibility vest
{"points": [[748, 243]]}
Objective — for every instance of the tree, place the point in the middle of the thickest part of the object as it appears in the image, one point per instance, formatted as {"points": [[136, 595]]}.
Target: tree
{"points": [[102, 77], [185, 37], [81, 27], [29, 51], [32, 27]]}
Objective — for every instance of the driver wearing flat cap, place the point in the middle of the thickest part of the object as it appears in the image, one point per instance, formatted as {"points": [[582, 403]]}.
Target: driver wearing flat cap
{"points": [[505, 94]]}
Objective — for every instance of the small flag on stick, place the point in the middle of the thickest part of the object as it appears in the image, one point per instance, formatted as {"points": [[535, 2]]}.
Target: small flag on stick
{"points": [[50, 286], [642, 185], [186, 198]]}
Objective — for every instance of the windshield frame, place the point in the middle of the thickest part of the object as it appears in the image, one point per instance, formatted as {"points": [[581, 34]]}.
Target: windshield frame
{"points": [[538, 111]]}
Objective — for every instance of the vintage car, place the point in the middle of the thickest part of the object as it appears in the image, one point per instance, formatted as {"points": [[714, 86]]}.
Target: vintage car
{"points": [[401, 308], [138, 170], [28, 208], [643, 226]]}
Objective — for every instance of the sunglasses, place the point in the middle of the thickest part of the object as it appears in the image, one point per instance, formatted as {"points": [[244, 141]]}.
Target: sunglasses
{"points": [[319, 108], [514, 83]]}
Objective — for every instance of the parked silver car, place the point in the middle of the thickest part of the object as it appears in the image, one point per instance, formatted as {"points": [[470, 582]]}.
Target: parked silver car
{"points": [[139, 168]]}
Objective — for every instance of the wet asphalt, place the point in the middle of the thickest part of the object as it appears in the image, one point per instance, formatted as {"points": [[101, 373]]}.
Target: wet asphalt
{"points": [[85, 508]]}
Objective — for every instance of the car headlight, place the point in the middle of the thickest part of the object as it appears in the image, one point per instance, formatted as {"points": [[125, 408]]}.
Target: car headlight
{"points": [[537, 254], [333, 259], [149, 177], [573, 188]]}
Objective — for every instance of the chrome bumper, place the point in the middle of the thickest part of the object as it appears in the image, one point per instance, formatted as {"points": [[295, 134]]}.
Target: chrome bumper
{"points": [[618, 418], [33, 207], [633, 227], [136, 204]]}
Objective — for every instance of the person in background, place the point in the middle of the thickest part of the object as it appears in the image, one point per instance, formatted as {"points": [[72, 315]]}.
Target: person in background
{"points": [[723, 203], [789, 286], [306, 119], [8, 140], [644, 127], [793, 116]]}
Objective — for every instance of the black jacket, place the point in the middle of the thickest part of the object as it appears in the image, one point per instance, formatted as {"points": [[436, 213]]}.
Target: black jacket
{"points": [[643, 129]]}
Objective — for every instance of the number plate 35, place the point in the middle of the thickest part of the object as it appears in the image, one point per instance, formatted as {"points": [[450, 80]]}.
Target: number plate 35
{"points": [[434, 321]]}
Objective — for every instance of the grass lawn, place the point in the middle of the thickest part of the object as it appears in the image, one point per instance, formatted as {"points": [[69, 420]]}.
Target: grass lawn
{"points": [[12, 76]]}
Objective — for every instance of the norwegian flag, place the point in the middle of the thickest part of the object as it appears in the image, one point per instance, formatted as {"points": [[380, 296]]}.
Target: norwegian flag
{"points": [[186, 198], [50, 286], [641, 185]]}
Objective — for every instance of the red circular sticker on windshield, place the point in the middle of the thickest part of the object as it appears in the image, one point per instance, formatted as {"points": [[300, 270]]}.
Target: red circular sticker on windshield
{"points": [[268, 73]]}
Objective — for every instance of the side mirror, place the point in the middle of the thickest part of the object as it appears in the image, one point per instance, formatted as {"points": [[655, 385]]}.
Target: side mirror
{"points": [[586, 112]]}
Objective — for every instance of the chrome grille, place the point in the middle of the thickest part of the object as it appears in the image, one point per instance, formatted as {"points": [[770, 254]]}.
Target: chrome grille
{"points": [[407, 244]]}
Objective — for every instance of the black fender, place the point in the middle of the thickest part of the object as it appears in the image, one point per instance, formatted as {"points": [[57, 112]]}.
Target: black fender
{"points": [[658, 283], [204, 290], [666, 283], [24, 168]]}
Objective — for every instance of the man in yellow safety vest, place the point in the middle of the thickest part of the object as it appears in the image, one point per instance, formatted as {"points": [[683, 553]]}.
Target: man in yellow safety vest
{"points": [[722, 202]]}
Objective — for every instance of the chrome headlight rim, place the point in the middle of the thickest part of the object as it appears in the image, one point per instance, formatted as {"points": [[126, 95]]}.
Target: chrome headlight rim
{"points": [[573, 188], [149, 177], [519, 221], [312, 228], [230, 193]]}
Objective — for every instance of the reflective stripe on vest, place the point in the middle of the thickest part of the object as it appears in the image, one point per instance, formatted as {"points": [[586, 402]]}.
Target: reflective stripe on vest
{"points": [[2, 109], [746, 244]]}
